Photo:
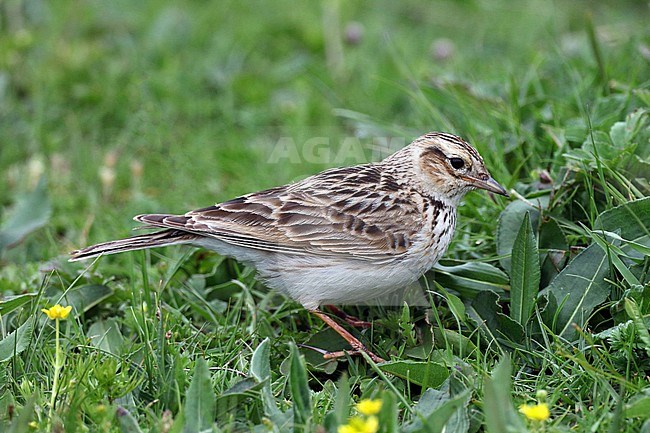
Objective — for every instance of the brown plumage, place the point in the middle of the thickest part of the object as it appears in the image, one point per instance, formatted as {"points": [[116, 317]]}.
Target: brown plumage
{"points": [[341, 236]]}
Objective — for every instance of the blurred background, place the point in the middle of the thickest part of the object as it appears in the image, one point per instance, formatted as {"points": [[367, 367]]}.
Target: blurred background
{"points": [[110, 109], [151, 106]]}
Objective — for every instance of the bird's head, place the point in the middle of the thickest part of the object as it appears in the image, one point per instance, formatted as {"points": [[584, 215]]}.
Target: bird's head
{"points": [[447, 165]]}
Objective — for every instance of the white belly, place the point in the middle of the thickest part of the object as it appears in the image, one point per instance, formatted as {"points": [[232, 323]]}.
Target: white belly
{"points": [[315, 280]]}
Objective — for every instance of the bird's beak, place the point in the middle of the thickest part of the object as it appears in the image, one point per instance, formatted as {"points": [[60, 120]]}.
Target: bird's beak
{"points": [[489, 185]]}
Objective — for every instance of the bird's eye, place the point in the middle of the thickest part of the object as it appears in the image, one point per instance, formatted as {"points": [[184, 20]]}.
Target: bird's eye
{"points": [[457, 163]]}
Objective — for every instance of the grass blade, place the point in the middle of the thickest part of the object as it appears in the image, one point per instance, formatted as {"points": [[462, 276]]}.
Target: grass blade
{"points": [[471, 278], [299, 391], [632, 310], [595, 48]]}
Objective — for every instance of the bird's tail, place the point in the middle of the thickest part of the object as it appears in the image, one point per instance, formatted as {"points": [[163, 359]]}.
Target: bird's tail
{"points": [[150, 240]]}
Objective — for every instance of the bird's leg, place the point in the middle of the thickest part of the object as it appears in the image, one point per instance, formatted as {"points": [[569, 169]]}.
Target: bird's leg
{"points": [[357, 346], [351, 320]]}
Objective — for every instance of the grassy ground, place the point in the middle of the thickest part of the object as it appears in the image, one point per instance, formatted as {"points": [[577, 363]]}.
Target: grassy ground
{"points": [[127, 107]]}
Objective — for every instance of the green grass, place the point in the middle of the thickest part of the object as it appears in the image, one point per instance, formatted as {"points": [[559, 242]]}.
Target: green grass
{"points": [[134, 107]]}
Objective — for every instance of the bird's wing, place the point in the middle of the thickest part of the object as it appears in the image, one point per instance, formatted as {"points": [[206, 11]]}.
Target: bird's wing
{"points": [[355, 212]]}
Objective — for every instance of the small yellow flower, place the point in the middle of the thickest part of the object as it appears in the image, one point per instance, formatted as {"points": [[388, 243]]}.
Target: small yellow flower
{"points": [[537, 412], [371, 425], [357, 424], [57, 312], [369, 407]]}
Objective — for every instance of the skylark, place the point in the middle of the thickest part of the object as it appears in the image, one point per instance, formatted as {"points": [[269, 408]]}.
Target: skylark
{"points": [[342, 236]]}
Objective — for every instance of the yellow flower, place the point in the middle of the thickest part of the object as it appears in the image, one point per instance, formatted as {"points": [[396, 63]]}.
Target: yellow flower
{"points": [[357, 424], [57, 312], [537, 412], [369, 407]]}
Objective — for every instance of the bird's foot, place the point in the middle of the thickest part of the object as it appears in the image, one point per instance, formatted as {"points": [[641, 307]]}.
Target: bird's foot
{"points": [[350, 320], [343, 353], [357, 346]]}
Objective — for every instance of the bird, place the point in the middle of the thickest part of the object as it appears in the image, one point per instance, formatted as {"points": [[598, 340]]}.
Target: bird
{"points": [[338, 237]]}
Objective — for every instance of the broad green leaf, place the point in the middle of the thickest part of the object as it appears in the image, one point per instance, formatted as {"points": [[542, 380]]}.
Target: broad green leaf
{"points": [[487, 313], [17, 341], [524, 274], [437, 411], [638, 407], [629, 224], [460, 344], [230, 399], [299, 391], [471, 278], [629, 220], [106, 336], [328, 340], [127, 422], [31, 212], [242, 388], [11, 303], [576, 291], [83, 298], [551, 236], [555, 250], [261, 371], [260, 366], [455, 304], [598, 146], [509, 222], [607, 109], [624, 133], [500, 414], [424, 373], [450, 416], [200, 401]]}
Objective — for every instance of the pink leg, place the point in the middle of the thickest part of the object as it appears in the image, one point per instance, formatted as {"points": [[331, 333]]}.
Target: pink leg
{"points": [[357, 346], [351, 320]]}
